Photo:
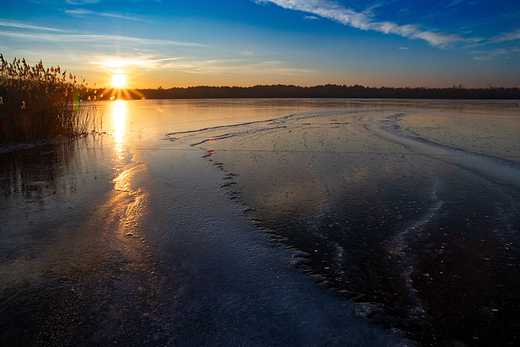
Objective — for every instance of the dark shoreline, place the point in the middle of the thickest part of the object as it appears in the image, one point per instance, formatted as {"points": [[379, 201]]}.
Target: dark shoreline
{"points": [[320, 91]]}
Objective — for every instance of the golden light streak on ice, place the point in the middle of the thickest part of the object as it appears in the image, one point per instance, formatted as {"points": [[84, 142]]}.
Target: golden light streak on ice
{"points": [[119, 116]]}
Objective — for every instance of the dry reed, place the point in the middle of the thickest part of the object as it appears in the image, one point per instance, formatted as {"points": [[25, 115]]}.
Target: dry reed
{"points": [[38, 103]]}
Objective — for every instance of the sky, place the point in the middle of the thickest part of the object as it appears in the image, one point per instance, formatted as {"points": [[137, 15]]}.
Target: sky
{"points": [[182, 43]]}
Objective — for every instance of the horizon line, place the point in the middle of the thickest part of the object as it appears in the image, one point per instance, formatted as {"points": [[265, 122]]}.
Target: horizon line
{"points": [[454, 86]]}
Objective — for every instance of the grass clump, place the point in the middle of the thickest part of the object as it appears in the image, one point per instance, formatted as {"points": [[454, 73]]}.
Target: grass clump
{"points": [[38, 103]]}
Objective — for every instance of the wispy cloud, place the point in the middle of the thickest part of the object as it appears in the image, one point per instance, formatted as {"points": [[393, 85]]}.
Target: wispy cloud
{"points": [[82, 2], [83, 12], [511, 36], [278, 68], [87, 2], [195, 66], [116, 62], [455, 2], [27, 26], [364, 20], [39, 37], [489, 55], [233, 67]]}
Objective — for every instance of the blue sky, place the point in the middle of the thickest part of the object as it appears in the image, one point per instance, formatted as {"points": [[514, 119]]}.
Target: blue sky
{"points": [[183, 43]]}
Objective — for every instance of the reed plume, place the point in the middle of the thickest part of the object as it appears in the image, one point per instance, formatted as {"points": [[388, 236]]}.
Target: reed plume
{"points": [[38, 103]]}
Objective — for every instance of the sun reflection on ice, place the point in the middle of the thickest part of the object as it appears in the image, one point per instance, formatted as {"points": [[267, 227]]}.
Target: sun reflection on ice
{"points": [[119, 115]]}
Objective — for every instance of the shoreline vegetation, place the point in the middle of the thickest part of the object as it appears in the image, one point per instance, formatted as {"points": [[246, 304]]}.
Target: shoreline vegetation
{"points": [[319, 91], [40, 104]]}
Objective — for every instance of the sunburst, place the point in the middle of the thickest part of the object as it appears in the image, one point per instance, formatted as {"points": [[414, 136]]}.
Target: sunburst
{"points": [[119, 80]]}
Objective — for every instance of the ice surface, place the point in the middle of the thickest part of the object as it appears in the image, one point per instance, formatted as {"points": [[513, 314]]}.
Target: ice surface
{"points": [[387, 215], [266, 222]]}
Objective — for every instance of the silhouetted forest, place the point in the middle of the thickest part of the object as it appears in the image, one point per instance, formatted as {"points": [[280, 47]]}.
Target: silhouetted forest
{"points": [[320, 91]]}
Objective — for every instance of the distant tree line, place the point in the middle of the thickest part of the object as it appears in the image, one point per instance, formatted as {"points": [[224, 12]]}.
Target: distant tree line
{"points": [[320, 91]]}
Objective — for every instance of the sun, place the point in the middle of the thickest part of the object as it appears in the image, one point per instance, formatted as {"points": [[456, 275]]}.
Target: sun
{"points": [[119, 80]]}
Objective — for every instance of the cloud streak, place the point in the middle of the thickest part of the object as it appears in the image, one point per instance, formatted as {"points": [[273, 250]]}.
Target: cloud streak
{"points": [[200, 66], [489, 55], [82, 12], [103, 39], [234, 67], [512, 36], [364, 20], [112, 63], [27, 26], [82, 2], [454, 3]]}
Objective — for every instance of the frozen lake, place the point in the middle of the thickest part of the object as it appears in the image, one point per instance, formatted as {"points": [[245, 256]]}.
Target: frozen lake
{"points": [[267, 222]]}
